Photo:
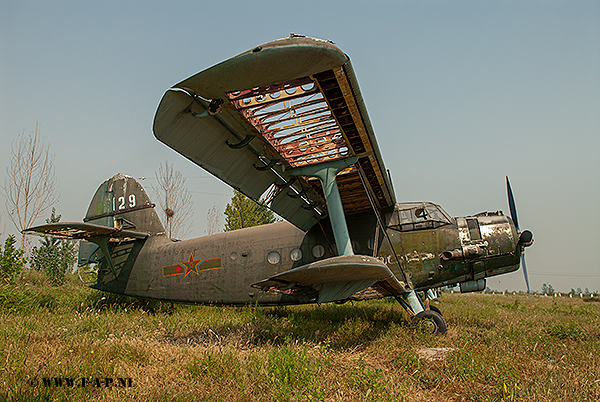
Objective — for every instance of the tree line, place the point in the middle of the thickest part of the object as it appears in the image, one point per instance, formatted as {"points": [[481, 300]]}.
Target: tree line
{"points": [[31, 190]]}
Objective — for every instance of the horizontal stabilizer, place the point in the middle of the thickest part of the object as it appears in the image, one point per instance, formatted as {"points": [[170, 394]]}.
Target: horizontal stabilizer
{"points": [[335, 278], [83, 231]]}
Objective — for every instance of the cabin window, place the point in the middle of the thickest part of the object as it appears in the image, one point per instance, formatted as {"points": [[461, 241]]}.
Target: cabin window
{"points": [[296, 254], [273, 257], [318, 251]]}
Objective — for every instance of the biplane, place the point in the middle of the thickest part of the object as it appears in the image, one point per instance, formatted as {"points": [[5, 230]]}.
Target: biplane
{"points": [[285, 124]]}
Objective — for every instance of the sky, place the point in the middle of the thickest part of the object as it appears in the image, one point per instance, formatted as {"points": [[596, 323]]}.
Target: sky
{"points": [[460, 94]]}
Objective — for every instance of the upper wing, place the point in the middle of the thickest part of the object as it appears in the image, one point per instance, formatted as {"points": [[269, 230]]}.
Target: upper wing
{"points": [[288, 103]]}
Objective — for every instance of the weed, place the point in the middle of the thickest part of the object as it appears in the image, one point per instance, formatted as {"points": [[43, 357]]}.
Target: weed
{"points": [[565, 332], [370, 382], [509, 392]]}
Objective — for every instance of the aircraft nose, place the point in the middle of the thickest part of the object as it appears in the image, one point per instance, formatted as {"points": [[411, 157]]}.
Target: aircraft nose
{"points": [[526, 238]]}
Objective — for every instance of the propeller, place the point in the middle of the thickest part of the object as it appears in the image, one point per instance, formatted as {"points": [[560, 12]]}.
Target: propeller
{"points": [[525, 237]]}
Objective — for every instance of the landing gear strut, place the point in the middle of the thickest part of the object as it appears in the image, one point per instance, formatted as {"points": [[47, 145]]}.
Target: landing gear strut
{"points": [[426, 319]]}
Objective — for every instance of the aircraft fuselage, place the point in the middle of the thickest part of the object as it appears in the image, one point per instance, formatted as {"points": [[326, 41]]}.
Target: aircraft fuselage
{"points": [[433, 249]]}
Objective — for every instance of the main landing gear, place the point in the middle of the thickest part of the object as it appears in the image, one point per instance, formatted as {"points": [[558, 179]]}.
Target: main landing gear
{"points": [[426, 319]]}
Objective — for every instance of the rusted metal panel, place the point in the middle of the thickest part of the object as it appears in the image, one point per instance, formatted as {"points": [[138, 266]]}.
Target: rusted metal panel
{"points": [[297, 122]]}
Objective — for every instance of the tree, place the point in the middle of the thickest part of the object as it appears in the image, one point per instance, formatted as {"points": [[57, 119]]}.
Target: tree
{"points": [[54, 257], [30, 184], [11, 260], [547, 288], [213, 220], [175, 201], [243, 212]]}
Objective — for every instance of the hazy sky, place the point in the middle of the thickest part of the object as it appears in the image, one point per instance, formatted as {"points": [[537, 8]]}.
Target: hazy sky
{"points": [[459, 93]]}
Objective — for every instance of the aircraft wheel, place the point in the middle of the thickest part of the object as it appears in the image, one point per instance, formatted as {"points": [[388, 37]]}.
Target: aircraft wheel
{"points": [[88, 274], [434, 308], [429, 322]]}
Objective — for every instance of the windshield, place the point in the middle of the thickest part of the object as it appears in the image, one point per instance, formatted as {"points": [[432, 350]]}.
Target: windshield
{"points": [[413, 216]]}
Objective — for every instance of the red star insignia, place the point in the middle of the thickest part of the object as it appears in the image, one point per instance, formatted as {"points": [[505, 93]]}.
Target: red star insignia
{"points": [[190, 265]]}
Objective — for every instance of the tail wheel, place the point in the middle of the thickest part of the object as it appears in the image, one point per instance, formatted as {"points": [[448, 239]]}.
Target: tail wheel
{"points": [[88, 273], [429, 322]]}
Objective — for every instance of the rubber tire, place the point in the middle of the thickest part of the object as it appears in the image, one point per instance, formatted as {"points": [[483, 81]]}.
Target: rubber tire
{"points": [[437, 310], [429, 322]]}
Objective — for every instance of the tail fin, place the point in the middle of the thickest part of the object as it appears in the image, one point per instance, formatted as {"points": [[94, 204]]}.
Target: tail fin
{"points": [[121, 202], [118, 222]]}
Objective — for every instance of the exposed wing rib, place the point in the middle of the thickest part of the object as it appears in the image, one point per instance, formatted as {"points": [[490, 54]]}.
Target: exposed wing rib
{"points": [[289, 103]]}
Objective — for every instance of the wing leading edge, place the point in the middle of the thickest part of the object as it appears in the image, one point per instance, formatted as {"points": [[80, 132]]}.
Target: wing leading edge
{"points": [[289, 103]]}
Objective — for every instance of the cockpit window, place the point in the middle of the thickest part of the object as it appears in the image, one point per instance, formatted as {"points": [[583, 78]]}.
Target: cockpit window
{"points": [[421, 213], [413, 216], [438, 214]]}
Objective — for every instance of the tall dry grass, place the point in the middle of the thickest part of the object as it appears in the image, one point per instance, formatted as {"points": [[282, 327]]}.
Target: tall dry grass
{"points": [[503, 349]]}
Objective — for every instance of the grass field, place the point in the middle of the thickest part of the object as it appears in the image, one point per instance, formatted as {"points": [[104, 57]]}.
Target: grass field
{"points": [[503, 349]]}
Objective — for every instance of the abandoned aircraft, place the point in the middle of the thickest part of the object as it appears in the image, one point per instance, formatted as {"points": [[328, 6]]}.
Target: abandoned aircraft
{"points": [[285, 124]]}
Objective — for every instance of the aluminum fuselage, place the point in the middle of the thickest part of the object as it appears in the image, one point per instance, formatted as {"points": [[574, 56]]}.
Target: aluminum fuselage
{"points": [[220, 268]]}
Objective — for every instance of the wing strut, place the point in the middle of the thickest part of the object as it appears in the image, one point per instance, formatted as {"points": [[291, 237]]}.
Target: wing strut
{"points": [[102, 242], [409, 299], [326, 173], [380, 223]]}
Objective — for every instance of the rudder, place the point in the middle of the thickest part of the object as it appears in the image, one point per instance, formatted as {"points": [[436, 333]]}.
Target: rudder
{"points": [[122, 202], [119, 202]]}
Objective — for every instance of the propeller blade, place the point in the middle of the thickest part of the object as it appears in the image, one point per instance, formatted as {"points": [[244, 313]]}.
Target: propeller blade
{"points": [[526, 277], [522, 242], [511, 204]]}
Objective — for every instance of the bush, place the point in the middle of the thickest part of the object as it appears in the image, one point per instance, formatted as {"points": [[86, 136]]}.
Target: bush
{"points": [[55, 260], [12, 260], [54, 256]]}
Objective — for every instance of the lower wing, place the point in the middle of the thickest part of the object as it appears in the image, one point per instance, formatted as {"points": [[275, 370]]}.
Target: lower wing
{"points": [[335, 278]]}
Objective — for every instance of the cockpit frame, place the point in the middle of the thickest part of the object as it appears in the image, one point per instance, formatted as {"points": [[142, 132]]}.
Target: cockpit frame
{"points": [[412, 216]]}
